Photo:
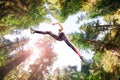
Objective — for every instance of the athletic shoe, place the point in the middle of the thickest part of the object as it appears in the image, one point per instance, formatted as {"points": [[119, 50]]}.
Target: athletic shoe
{"points": [[31, 30], [82, 59]]}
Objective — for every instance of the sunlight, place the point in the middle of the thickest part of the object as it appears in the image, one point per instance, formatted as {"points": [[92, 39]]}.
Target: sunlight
{"points": [[35, 54], [66, 56], [59, 39]]}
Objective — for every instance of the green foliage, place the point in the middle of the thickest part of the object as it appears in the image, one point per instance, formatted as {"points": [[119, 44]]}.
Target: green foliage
{"points": [[2, 57], [39, 68], [103, 64], [90, 30], [103, 7], [81, 39], [66, 73], [21, 14], [95, 77], [61, 9], [10, 20], [111, 61], [97, 58], [78, 40], [70, 7]]}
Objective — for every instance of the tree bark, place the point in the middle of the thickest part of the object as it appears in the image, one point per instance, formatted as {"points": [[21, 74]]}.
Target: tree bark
{"points": [[4, 70]]}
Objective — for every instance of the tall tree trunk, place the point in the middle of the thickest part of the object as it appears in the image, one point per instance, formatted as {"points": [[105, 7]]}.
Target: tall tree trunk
{"points": [[4, 70]]}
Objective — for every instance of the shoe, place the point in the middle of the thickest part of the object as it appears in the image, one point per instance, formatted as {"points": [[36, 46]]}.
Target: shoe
{"points": [[85, 61], [82, 59], [31, 30]]}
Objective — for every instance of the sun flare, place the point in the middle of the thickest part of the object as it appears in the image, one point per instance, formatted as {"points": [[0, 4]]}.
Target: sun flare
{"points": [[35, 54]]}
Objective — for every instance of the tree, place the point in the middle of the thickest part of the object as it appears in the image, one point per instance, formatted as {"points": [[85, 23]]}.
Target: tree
{"points": [[7, 47], [4, 70], [67, 73], [88, 33], [40, 67], [10, 61], [20, 14], [102, 7], [61, 9], [105, 60]]}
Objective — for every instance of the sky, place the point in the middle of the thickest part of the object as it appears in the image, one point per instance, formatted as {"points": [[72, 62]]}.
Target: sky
{"points": [[60, 47]]}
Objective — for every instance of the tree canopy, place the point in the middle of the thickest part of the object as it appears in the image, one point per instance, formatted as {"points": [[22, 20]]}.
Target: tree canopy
{"points": [[22, 14]]}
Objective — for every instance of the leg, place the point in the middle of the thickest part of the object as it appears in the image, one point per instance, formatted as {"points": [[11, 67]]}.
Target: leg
{"points": [[39, 32], [67, 41], [70, 45], [47, 32]]}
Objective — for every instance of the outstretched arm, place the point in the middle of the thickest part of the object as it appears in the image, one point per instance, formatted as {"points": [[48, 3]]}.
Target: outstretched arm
{"points": [[61, 27]]}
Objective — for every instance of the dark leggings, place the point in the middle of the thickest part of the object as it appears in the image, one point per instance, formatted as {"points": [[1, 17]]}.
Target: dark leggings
{"points": [[59, 38]]}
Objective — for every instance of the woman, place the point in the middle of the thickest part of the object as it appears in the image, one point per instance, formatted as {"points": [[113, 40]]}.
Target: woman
{"points": [[60, 37]]}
